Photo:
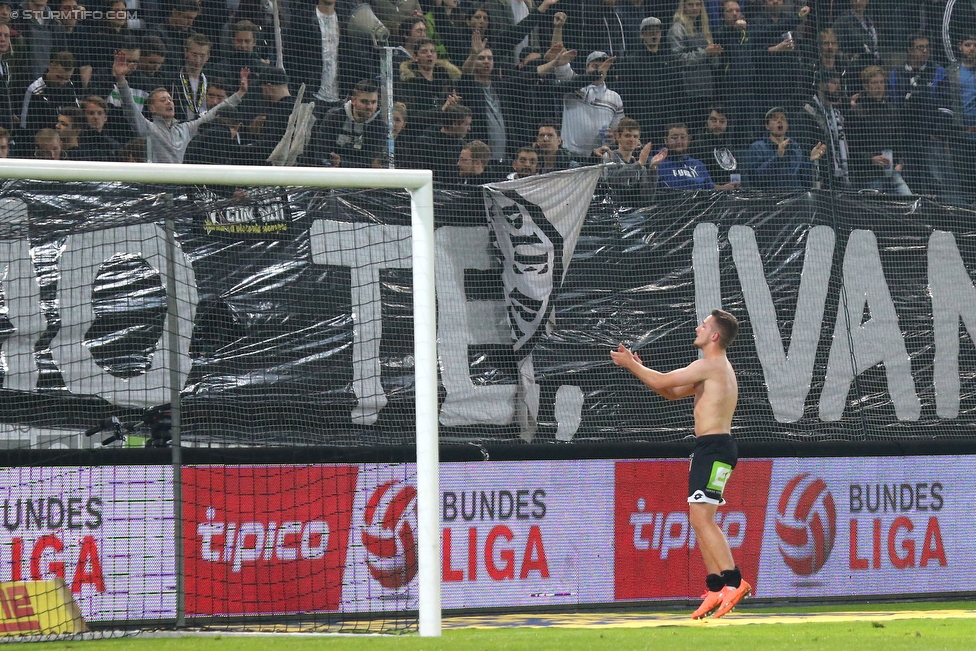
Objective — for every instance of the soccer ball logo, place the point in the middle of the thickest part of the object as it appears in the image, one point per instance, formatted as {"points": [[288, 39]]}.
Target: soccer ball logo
{"points": [[389, 534], [806, 523]]}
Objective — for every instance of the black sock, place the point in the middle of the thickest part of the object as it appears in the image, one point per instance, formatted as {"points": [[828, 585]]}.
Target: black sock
{"points": [[732, 578], [714, 582]]}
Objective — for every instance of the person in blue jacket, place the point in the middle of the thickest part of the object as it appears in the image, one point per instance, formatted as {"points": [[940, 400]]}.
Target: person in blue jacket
{"points": [[675, 168], [776, 163]]}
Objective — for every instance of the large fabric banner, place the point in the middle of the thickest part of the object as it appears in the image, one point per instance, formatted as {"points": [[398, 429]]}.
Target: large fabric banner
{"points": [[296, 319], [536, 222]]}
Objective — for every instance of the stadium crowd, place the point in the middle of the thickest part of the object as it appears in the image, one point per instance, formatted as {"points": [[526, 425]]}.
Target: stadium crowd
{"points": [[678, 94]]}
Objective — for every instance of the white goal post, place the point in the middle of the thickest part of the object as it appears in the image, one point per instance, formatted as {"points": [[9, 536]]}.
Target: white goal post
{"points": [[418, 183]]}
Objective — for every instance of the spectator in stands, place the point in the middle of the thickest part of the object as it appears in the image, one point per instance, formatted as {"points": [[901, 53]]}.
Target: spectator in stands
{"points": [[736, 71], [604, 31], [178, 28], [822, 120], [7, 114], [858, 36], [472, 163], [391, 12], [479, 28], [632, 13], [427, 86], [540, 83], [831, 61], [438, 148], [874, 137], [962, 91], [526, 163], [221, 141], [76, 37], [552, 155], [411, 31], [675, 168], [134, 151], [690, 40], [188, 87], [508, 14], [242, 52], [278, 107], [444, 16], [593, 111], [39, 30], [468, 34], [110, 35], [256, 12], [404, 146], [6, 9], [961, 20], [47, 145], [69, 125], [96, 143], [647, 80], [153, 58], [918, 89], [166, 137], [629, 177], [777, 40], [489, 97], [4, 143], [316, 54], [45, 97], [716, 149], [140, 85], [776, 163], [353, 135], [103, 81]]}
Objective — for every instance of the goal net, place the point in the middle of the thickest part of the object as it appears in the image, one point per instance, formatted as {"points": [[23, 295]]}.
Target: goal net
{"points": [[221, 397], [175, 337]]}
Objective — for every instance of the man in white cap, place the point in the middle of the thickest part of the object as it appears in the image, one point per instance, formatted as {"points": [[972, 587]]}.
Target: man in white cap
{"points": [[592, 112]]}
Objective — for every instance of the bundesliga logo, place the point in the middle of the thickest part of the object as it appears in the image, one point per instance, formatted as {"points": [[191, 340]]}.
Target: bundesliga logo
{"points": [[390, 534], [806, 522]]}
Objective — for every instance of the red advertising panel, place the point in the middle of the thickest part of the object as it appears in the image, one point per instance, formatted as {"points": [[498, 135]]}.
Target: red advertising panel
{"points": [[657, 555], [266, 539]]}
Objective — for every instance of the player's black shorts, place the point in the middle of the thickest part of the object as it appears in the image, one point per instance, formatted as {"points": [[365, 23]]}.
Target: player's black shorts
{"points": [[712, 461]]}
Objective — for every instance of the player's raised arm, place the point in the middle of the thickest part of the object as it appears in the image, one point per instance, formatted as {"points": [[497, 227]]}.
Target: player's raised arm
{"points": [[679, 383]]}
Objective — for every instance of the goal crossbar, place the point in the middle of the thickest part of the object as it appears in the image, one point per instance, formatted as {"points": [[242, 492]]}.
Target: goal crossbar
{"points": [[418, 183]]}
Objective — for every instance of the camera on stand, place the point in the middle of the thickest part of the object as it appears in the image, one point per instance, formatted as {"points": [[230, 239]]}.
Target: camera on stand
{"points": [[154, 426]]}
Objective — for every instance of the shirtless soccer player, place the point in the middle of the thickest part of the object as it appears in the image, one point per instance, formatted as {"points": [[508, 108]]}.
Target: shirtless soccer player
{"points": [[712, 381]]}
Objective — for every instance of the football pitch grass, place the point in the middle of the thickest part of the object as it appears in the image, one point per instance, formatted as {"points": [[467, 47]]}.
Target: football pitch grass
{"points": [[880, 627]]}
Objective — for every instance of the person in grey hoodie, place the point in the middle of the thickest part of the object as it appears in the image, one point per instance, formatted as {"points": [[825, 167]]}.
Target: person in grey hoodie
{"points": [[166, 137]]}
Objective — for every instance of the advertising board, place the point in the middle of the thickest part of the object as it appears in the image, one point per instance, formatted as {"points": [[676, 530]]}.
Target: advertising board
{"points": [[284, 539], [106, 531], [868, 526], [265, 539]]}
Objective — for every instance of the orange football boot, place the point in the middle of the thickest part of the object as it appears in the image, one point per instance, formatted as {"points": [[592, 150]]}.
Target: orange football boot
{"points": [[731, 598]]}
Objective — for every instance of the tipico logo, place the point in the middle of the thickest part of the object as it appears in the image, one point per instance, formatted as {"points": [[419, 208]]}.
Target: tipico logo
{"points": [[806, 522], [390, 534]]}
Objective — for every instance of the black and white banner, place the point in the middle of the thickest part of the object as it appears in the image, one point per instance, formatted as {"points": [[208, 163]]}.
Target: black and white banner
{"points": [[536, 222]]}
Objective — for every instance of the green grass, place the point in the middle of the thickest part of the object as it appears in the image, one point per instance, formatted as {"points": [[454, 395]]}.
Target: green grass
{"points": [[900, 635], [950, 635], [885, 607]]}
